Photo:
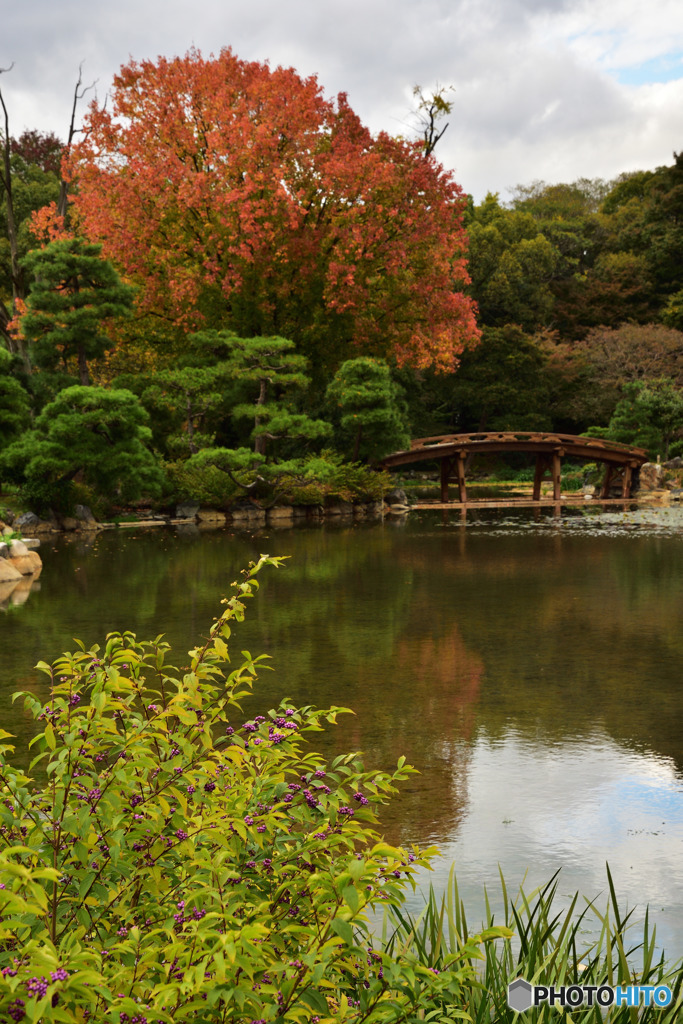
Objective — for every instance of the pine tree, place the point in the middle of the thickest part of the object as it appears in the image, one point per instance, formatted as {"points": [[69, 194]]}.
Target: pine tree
{"points": [[75, 291], [370, 406]]}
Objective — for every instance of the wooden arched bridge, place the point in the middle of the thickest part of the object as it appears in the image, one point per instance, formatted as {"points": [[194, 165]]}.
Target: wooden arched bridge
{"points": [[453, 450]]}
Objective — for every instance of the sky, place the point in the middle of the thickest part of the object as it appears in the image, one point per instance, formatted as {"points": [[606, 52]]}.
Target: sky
{"points": [[549, 90]]}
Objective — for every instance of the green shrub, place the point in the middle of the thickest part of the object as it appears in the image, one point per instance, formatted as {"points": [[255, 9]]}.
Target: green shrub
{"points": [[328, 478], [507, 474], [179, 865], [592, 473], [221, 476], [47, 496], [204, 484]]}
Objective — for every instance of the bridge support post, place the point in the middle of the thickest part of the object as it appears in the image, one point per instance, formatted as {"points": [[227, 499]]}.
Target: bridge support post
{"points": [[557, 476], [447, 466], [612, 474], [548, 466], [607, 480], [445, 476], [462, 487], [542, 467]]}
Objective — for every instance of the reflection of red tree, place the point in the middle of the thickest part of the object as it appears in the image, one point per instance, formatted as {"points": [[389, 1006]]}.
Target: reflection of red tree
{"points": [[450, 676], [427, 713]]}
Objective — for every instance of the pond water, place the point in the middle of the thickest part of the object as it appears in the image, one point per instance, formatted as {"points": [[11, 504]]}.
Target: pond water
{"points": [[529, 666]]}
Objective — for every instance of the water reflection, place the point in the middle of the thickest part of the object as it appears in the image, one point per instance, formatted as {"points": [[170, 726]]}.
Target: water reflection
{"points": [[530, 669], [574, 805], [17, 592]]}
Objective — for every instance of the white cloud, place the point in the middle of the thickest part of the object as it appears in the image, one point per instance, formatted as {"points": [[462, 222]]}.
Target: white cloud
{"points": [[542, 85]]}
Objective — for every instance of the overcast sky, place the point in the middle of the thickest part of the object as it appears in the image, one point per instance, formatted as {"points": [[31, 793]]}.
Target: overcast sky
{"points": [[549, 89]]}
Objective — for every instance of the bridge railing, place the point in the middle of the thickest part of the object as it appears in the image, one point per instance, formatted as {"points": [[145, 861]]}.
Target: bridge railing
{"points": [[530, 436]]}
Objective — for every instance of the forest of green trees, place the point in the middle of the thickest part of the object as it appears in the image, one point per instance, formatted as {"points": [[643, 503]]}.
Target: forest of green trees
{"points": [[226, 284]]}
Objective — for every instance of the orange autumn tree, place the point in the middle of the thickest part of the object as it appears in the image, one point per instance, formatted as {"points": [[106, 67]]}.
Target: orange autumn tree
{"points": [[237, 196]]}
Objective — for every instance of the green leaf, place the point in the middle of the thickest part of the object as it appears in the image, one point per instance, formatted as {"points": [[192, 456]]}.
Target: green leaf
{"points": [[316, 1000], [99, 700], [343, 929], [350, 897]]}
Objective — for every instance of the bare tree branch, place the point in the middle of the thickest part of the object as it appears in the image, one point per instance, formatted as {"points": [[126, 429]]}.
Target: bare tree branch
{"points": [[79, 93], [17, 285], [430, 110]]}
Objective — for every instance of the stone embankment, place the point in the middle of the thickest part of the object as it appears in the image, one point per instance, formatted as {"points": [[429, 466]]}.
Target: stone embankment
{"points": [[29, 522], [242, 516]]}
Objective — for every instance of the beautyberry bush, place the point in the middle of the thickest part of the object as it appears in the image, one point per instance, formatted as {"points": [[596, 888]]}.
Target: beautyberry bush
{"points": [[168, 861]]}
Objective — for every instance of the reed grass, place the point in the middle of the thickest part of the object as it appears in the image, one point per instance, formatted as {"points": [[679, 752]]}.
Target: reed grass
{"points": [[546, 945]]}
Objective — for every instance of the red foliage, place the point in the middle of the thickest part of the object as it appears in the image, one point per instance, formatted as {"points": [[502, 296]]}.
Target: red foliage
{"points": [[239, 197], [47, 225], [42, 148]]}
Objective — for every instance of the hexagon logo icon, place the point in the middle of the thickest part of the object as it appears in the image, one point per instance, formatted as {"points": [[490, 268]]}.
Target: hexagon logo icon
{"points": [[520, 995]]}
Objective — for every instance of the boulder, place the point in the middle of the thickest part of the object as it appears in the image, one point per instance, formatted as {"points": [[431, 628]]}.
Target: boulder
{"points": [[279, 512], [676, 463], [251, 516], [32, 543], [47, 526], [650, 476], [17, 548], [84, 514], [8, 573], [186, 511], [27, 519], [28, 565], [342, 508], [397, 497], [86, 520], [70, 524], [7, 516], [375, 507], [211, 515], [4, 550], [240, 512]]}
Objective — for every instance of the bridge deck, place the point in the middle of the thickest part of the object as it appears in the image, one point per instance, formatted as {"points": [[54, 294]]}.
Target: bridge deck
{"points": [[453, 451]]}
